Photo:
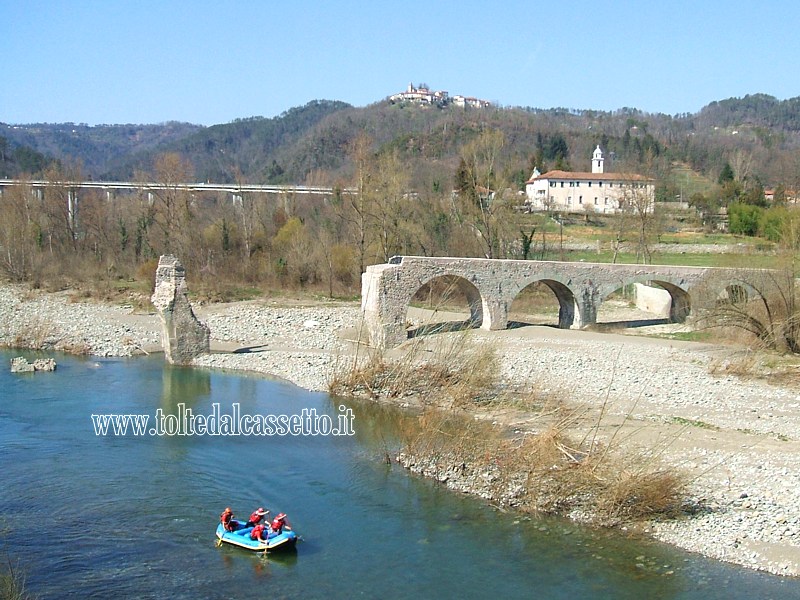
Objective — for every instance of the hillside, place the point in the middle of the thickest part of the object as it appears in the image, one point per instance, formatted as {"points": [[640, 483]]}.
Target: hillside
{"points": [[758, 135], [250, 146], [93, 147]]}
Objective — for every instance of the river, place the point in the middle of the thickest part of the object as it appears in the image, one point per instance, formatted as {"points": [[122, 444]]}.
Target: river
{"points": [[134, 516]]}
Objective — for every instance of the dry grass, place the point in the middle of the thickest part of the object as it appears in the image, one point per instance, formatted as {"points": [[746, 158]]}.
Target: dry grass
{"points": [[562, 469], [38, 334], [12, 582], [758, 364], [35, 334], [455, 373], [547, 472], [742, 364]]}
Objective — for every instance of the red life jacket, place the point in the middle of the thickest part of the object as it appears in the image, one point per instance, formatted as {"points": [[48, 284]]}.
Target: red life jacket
{"points": [[225, 518], [255, 518], [277, 524], [257, 531]]}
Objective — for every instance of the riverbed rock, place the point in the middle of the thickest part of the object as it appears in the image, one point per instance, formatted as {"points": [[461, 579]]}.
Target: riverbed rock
{"points": [[21, 365], [44, 364]]}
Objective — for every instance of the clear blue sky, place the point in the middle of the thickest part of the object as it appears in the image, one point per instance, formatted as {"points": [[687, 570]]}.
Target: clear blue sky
{"points": [[207, 62]]}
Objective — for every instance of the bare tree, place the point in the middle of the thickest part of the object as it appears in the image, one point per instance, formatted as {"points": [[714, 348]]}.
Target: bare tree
{"points": [[244, 205], [171, 203], [61, 203], [19, 232], [484, 201], [356, 205], [762, 303], [741, 162], [637, 199], [391, 185]]}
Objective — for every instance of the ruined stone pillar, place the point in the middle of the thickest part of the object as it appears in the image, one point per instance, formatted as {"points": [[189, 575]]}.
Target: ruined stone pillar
{"points": [[183, 336], [384, 307]]}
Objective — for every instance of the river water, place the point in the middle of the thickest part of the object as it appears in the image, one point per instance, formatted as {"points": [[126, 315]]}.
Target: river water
{"points": [[95, 516]]}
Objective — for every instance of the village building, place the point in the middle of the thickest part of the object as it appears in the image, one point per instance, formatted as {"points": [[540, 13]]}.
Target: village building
{"points": [[423, 95], [595, 191], [787, 196], [420, 95], [469, 102]]}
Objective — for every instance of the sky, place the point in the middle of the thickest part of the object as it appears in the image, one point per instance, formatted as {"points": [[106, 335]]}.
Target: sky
{"points": [[209, 62]]}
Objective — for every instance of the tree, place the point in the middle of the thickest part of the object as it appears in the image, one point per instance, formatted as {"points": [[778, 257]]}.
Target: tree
{"points": [[744, 218], [61, 203], [742, 165], [730, 192], [726, 174], [638, 200], [19, 232], [356, 206], [390, 182], [483, 201], [706, 206], [172, 205], [753, 194], [244, 205], [294, 249]]}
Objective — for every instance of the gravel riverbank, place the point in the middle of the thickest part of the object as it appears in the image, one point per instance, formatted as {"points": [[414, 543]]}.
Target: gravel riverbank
{"points": [[736, 438]]}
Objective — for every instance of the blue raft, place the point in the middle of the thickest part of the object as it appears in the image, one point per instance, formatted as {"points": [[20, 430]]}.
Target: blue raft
{"points": [[286, 540]]}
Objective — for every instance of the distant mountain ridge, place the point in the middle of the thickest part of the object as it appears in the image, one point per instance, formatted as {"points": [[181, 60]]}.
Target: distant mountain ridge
{"points": [[309, 144], [94, 146]]}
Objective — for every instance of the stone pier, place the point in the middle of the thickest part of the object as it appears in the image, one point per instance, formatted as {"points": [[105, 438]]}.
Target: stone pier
{"points": [[183, 336]]}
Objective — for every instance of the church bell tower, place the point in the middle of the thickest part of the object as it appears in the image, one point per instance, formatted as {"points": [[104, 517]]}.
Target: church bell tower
{"points": [[597, 160]]}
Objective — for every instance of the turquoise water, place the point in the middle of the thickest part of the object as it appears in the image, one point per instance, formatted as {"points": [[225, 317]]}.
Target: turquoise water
{"points": [[90, 516]]}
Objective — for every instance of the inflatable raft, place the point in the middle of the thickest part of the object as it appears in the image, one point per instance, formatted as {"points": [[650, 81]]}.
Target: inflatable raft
{"points": [[286, 540]]}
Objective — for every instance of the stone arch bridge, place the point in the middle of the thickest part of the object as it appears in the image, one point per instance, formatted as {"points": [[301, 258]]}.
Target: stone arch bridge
{"points": [[490, 286]]}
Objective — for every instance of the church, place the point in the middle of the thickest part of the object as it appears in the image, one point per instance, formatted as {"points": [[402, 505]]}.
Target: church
{"points": [[597, 191]]}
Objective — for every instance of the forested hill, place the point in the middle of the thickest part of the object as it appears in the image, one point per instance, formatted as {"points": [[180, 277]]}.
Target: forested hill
{"points": [[756, 110], [117, 152], [758, 135], [94, 147], [248, 147]]}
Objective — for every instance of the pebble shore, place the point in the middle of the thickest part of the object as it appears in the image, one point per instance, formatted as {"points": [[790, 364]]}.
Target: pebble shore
{"points": [[32, 319], [742, 441], [738, 438], [299, 344]]}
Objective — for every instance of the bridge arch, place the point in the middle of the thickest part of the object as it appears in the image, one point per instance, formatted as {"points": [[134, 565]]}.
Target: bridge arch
{"points": [[449, 285], [567, 306], [680, 299]]}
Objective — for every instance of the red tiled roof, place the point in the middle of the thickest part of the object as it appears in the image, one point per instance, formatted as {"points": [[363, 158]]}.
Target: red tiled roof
{"points": [[583, 176]]}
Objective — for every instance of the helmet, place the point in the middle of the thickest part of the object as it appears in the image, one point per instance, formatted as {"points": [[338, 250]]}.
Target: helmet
{"points": [[281, 516], [261, 511]]}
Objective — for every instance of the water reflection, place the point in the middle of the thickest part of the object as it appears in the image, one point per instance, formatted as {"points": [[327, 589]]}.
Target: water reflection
{"points": [[183, 385]]}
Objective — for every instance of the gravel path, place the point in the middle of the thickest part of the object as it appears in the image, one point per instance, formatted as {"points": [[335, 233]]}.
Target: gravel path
{"points": [[738, 439]]}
